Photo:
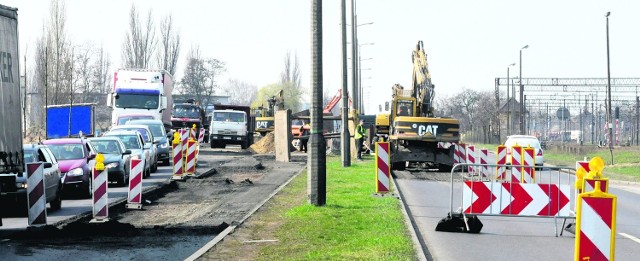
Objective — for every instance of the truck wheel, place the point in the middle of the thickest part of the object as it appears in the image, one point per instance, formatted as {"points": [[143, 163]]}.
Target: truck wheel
{"points": [[212, 144], [244, 145]]}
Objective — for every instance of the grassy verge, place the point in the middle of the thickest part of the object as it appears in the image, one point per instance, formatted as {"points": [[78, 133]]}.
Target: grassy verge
{"points": [[354, 225], [490, 147], [626, 159]]}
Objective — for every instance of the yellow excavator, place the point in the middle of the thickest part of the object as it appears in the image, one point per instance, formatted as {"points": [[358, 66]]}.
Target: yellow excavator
{"points": [[265, 116], [418, 138]]}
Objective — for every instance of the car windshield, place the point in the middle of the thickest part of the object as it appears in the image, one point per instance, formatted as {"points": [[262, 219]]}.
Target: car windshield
{"points": [[228, 116], [186, 111], [524, 142], [145, 134], [106, 146], [156, 129], [124, 119], [67, 151], [137, 101], [130, 141]]}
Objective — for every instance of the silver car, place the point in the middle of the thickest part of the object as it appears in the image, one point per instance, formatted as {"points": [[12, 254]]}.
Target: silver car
{"points": [[150, 143], [133, 141]]}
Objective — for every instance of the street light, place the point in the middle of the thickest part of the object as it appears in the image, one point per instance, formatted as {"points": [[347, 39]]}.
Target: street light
{"points": [[509, 104], [521, 93], [610, 119]]}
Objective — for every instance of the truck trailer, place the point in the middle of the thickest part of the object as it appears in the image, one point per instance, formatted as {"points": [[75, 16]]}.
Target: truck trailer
{"points": [[11, 154]]}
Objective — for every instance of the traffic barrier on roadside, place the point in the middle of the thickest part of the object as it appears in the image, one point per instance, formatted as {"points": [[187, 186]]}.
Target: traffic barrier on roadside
{"points": [[617, 132], [551, 197], [484, 160], [201, 136], [192, 132], [100, 188], [595, 166], [191, 158], [134, 197], [461, 152], [501, 159], [184, 135], [516, 160], [595, 225], [36, 195], [529, 162], [383, 170], [471, 157], [177, 162]]}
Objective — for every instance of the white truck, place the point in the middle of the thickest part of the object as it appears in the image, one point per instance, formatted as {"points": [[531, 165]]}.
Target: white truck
{"points": [[141, 91], [231, 124]]}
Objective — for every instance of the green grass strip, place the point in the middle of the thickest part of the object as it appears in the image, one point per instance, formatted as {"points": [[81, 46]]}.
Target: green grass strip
{"points": [[354, 225]]}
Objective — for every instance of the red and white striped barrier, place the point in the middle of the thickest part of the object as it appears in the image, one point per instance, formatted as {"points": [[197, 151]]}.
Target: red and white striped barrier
{"points": [[595, 226], [100, 197], [484, 160], [617, 132], [192, 133], [134, 198], [177, 162], [35, 194], [201, 136], [383, 170], [529, 160], [184, 136], [516, 159], [501, 159], [191, 158], [461, 152], [519, 199], [471, 157]]}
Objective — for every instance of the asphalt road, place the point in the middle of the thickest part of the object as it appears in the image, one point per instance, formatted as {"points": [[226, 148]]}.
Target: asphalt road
{"points": [[509, 238]]}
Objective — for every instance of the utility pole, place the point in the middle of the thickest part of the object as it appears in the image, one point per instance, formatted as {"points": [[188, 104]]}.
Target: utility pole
{"points": [[345, 141], [317, 159], [522, 93], [610, 118], [354, 56]]}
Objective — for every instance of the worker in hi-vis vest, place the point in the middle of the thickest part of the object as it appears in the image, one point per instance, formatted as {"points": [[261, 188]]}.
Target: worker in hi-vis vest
{"points": [[360, 136]]}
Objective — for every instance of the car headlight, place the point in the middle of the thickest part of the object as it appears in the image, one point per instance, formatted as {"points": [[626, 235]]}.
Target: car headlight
{"points": [[112, 165], [164, 145], [75, 172], [21, 185]]}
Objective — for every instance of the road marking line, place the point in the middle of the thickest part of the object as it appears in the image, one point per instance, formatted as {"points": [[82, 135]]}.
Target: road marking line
{"points": [[637, 240]]}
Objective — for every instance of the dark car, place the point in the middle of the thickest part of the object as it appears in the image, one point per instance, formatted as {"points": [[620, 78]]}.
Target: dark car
{"points": [[76, 158], [116, 158], [160, 136], [16, 193]]}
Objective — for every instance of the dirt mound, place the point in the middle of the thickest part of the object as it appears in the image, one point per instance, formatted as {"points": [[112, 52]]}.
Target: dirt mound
{"points": [[265, 145]]}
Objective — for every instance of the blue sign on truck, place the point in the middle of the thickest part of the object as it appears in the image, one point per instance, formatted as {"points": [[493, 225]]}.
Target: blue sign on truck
{"points": [[69, 120]]}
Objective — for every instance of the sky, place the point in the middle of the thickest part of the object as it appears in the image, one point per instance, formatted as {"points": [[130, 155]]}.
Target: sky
{"points": [[468, 42]]}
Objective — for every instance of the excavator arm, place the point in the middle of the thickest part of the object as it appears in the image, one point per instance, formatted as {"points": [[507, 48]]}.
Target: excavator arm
{"points": [[423, 88], [334, 101]]}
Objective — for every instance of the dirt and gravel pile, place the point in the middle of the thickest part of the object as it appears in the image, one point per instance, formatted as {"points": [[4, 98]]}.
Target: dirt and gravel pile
{"points": [[265, 145]]}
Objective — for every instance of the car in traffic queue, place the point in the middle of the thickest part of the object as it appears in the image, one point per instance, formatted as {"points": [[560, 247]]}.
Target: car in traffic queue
{"points": [[134, 142], [525, 141], [149, 143], [76, 159], [15, 193], [123, 119], [160, 135], [117, 159]]}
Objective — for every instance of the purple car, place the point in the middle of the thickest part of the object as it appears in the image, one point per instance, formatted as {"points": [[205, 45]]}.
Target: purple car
{"points": [[76, 160]]}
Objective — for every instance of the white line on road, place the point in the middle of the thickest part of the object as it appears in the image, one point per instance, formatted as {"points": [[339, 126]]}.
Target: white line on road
{"points": [[637, 240]]}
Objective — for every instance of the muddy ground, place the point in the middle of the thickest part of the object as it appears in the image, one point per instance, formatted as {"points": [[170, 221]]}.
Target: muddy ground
{"points": [[180, 218]]}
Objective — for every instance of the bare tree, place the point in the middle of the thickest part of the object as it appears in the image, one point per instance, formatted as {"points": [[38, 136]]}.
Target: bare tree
{"points": [[102, 71], [201, 75], [58, 55], [240, 92], [83, 75], [291, 72], [139, 43], [169, 45]]}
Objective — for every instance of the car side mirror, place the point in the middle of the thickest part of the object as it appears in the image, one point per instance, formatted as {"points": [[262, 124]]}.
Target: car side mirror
{"points": [[126, 152], [47, 165], [91, 156], [156, 142]]}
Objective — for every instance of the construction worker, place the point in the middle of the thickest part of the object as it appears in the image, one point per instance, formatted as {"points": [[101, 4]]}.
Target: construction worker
{"points": [[360, 136], [304, 138]]}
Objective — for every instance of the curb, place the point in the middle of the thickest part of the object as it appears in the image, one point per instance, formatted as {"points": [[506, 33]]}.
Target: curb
{"points": [[418, 241], [204, 249]]}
